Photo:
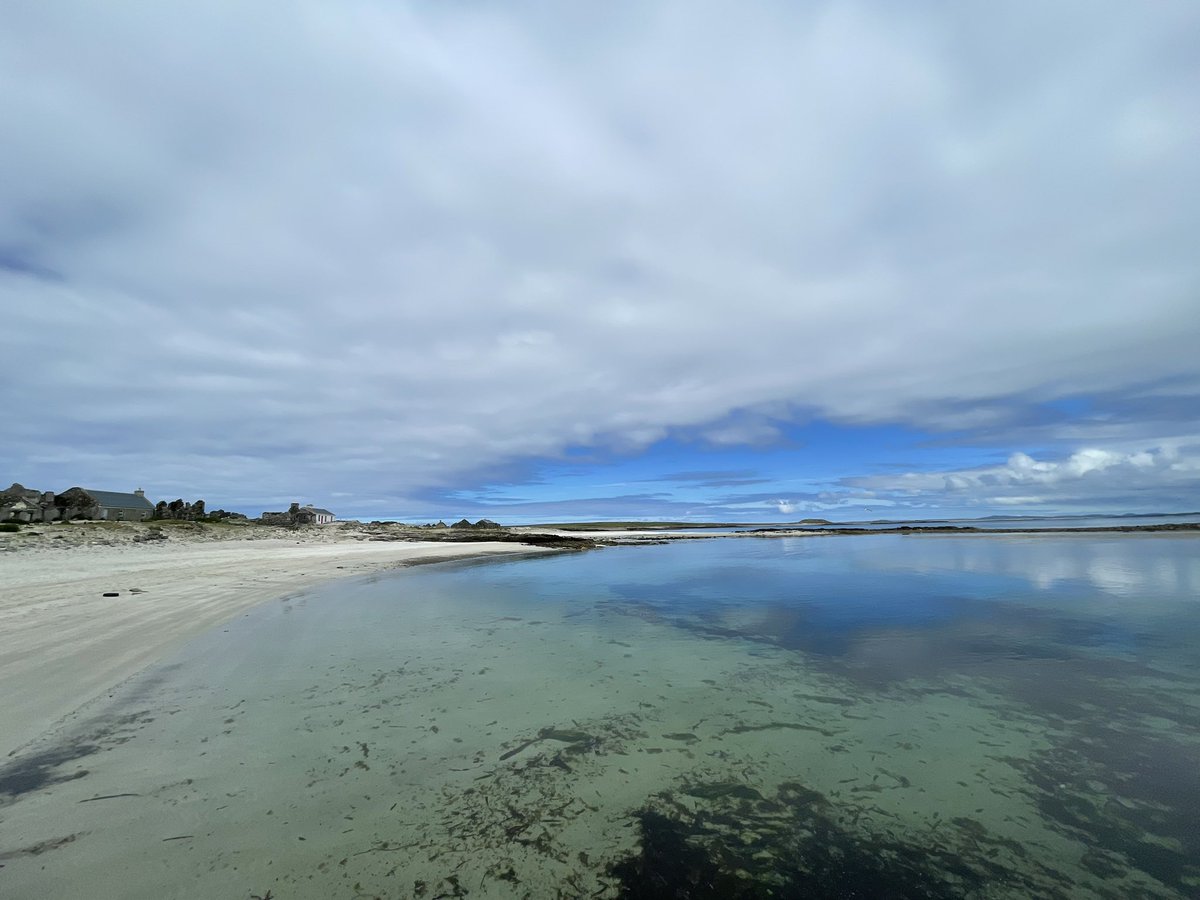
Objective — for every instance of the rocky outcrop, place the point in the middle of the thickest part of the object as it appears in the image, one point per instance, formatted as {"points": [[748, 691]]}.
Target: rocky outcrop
{"points": [[180, 511], [18, 491], [18, 504], [482, 523], [21, 504], [76, 503]]}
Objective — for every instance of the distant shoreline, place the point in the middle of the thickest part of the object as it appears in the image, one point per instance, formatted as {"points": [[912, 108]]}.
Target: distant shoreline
{"points": [[971, 529], [621, 534]]}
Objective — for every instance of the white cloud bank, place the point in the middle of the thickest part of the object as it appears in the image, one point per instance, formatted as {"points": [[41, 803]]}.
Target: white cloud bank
{"points": [[376, 248], [1111, 480]]}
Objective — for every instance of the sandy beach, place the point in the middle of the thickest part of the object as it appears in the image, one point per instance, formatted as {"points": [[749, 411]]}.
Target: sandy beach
{"points": [[63, 643]]}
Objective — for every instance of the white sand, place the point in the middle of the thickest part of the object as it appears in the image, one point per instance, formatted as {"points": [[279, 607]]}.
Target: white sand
{"points": [[63, 644]]}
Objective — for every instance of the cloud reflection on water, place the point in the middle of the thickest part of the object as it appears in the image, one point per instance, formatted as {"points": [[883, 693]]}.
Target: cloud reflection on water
{"points": [[1125, 566]]}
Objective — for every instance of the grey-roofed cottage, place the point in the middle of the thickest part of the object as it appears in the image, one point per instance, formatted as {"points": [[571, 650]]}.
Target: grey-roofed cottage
{"points": [[118, 507]]}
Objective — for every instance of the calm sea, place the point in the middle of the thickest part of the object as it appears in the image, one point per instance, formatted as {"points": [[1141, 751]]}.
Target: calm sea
{"points": [[859, 717], [991, 523]]}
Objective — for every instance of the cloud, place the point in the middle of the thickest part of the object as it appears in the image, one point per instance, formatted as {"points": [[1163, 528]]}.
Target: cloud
{"points": [[712, 478], [1140, 479], [375, 248]]}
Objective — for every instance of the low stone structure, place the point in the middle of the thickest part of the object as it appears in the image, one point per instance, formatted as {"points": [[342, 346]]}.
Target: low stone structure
{"points": [[21, 504], [298, 515]]}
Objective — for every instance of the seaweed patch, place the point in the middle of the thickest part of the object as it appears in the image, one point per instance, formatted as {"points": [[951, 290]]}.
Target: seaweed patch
{"points": [[32, 773], [738, 842]]}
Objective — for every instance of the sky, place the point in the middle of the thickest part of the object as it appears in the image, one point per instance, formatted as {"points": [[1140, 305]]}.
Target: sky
{"points": [[548, 262]]}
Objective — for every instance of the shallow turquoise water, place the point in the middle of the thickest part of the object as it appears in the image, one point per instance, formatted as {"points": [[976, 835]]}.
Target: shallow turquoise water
{"points": [[868, 716]]}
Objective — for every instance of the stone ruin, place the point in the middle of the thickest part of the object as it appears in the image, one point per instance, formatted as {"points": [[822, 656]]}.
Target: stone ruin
{"points": [[295, 515], [26, 505]]}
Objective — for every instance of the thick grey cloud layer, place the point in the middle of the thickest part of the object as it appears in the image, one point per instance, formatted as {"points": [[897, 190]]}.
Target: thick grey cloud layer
{"points": [[362, 250]]}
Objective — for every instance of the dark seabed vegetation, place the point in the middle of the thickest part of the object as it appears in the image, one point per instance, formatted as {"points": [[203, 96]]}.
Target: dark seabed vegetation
{"points": [[881, 716]]}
